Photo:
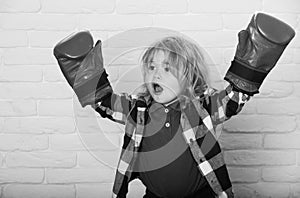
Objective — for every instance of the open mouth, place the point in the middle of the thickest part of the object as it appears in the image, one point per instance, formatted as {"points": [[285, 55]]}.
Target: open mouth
{"points": [[157, 88]]}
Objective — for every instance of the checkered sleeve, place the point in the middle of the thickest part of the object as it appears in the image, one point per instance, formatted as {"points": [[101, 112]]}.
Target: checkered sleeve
{"points": [[223, 104], [115, 107]]}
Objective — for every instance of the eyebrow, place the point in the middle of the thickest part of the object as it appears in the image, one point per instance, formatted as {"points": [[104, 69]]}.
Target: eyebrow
{"points": [[164, 62]]}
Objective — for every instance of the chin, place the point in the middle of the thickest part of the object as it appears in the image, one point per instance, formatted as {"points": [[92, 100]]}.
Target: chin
{"points": [[161, 99]]}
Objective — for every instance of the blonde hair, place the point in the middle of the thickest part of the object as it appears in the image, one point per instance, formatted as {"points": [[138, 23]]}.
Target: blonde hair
{"points": [[186, 61]]}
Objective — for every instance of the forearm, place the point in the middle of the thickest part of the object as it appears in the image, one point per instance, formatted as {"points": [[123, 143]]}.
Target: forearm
{"points": [[223, 104], [114, 106]]}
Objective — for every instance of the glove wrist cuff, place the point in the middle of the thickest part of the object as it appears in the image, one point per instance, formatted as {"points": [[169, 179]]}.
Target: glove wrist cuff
{"points": [[245, 78], [96, 87], [247, 73]]}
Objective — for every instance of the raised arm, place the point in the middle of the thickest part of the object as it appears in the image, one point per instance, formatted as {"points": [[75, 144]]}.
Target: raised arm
{"points": [[223, 104], [82, 65], [259, 48]]}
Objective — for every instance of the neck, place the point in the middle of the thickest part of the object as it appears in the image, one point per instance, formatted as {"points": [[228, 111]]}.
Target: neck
{"points": [[171, 102]]}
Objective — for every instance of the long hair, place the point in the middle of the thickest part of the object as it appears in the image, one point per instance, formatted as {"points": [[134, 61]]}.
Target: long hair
{"points": [[186, 62]]}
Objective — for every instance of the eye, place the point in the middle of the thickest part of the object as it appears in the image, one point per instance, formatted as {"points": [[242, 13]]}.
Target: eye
{"points": [[151, 67], [167, 67]]}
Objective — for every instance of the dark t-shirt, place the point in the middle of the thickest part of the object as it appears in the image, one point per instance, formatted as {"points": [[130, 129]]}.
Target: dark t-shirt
{"points": [[165, 163]]}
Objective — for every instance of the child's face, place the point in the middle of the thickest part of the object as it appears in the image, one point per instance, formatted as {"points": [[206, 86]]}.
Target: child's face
{"points": [[160, 81]]}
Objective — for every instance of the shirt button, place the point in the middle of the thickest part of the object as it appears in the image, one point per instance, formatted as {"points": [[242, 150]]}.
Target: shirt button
{"points": [[167, 124], [166, 110]]}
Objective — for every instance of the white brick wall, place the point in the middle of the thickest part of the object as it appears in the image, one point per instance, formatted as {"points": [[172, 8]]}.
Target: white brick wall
{"points": [[42, 153]]}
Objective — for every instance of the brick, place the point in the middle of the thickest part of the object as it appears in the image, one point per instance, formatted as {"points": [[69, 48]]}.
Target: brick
{"points": [[81, 142], [21, 175], [134, 6], [136, 39], [281, 174], [35, 90], [250, 108], [100, 35], [296, 57], [262, 189], [189, 22], [296, 89], [53, 74], [113, 22], [287, 72], [241, 141], [87, 111], [55, 108], [286, 57], [79, 6], [213, 56], [228, 54], [244, 174], [94, 190], [94, 159], [278, 106], [298, 26], [295, 190], [80, 175], [1, 161], [282, 141], [97, 125], [18, 108], [236, 21], [260, 123], [24, 142], [38, 22], [1, 123], [272, 89], [38, 191], [295, 43], [13, 39], [231, 6], [216, 38], [290, 6], [151, 7], [16, 6], [37, 38], [101, 141], [41, 159], [260, 157], [1, 55], [171, 7], [121, 56], [21, 74], [28, 56], [39, 125]]}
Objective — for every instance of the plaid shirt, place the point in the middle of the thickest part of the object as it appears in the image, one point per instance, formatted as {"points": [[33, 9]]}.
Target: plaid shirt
{"points": [[211, 109]]}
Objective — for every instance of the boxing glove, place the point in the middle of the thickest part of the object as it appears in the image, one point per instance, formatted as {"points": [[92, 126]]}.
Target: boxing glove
{"points": [[258, 50], [82, 66]]}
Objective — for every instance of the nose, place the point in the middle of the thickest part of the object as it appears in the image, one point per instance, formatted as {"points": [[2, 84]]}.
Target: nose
{"points": [[157, 74]]}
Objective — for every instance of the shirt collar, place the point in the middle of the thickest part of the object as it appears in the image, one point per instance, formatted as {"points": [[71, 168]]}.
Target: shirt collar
{"points": [[175, 105]]}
